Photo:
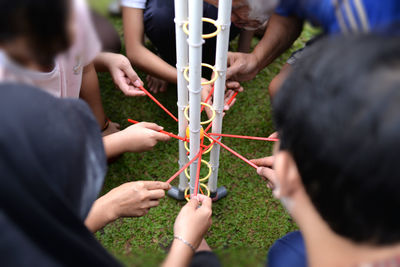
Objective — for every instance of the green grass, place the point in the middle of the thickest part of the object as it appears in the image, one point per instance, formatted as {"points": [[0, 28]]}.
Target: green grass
{"points": [[245, 223]]}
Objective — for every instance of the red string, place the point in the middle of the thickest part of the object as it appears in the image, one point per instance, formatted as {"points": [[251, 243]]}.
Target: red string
{"points": [[162, 131], [187, 164], [208, 127], [233, 97], [234, 152], [247, 137], [158, 103], [208, 97], [196, 185], [182, 169]]}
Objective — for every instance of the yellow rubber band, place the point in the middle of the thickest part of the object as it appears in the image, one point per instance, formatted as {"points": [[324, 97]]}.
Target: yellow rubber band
{"points": [[204, 36], [201, 184], [203, 104], [205, 152], [214, 78], [205, 177]]}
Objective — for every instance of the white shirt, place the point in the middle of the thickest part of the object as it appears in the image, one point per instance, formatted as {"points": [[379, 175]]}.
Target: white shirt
{"points": [[141, 4]]}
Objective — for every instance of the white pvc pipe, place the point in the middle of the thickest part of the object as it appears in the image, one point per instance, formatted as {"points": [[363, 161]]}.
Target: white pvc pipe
{"points": [[195, 42], [224, 19], [181, 16]]}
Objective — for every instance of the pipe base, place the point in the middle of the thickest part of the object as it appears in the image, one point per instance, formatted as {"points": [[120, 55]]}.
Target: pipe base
{"points": [[220, 193], [175, 193]]}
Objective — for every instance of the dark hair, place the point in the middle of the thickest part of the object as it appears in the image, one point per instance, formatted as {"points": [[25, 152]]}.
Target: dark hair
{"points": [[42, 22], [338, 114]]}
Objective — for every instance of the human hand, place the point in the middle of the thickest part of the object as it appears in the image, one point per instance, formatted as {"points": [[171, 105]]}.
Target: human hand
{"points": [[135, 199], [274, 135], [156, 85], [132, 199], [141, 137], [241, 66], [231, 88], [265, 170], [123, 75], [193, 221]]}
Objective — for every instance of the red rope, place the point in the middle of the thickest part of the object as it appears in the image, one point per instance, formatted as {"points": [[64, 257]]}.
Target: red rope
{"points": [[182, 169], [187, 165], [233, 97], [208, 97], [196, 185], [234, 152], [208, 127], [158, 103], [247, 137]]}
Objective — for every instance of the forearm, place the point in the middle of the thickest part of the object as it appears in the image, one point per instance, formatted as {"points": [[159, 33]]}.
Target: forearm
{"points": [[100, 215], [179, 255], [280, 35], [152, 64], [101, 62], [114, 144]]}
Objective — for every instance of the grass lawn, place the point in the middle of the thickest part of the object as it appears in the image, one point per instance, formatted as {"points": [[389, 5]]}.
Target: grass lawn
{"points": [[245, 223]]}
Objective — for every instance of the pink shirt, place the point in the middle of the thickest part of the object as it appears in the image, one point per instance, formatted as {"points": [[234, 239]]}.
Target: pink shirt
{"points": [[66, 78]]}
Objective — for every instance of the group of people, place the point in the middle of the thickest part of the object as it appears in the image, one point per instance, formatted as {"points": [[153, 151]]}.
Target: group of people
{"points": [[336, 109]]}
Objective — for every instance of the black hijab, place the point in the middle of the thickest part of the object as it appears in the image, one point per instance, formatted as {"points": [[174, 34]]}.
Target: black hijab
{"points": [[52, 166]]}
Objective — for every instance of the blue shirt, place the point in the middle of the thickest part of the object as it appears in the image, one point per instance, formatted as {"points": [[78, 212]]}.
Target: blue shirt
{"points": [[344, 16]]}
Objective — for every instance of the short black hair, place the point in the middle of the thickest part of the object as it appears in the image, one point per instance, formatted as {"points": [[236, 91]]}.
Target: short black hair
{"points": [[338, 114], [42, 22]]}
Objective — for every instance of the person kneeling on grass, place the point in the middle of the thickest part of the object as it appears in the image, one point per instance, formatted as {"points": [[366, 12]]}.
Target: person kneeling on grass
{"points": [[336, 167], [52, 45], [50, 175]]}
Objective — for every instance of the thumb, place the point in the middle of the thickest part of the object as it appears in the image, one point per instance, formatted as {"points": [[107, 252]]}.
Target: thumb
{"points": [[132, 75]]}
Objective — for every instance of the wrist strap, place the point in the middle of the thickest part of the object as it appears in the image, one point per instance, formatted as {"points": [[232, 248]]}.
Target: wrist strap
{"points": [[186, 243]]}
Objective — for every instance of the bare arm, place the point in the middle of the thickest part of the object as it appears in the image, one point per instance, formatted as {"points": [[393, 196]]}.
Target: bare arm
{"points": [[90, 92], [137, 53], [191, 225], [135, 138], [133, 199], [280, 34]]}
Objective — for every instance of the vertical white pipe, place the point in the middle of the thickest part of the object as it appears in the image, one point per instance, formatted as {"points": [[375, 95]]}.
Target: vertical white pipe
{"points": [[181, 16], [224, 19], [195, 42]]}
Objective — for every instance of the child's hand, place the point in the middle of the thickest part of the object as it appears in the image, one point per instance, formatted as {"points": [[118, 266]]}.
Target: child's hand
{"points": [[193, 221], [123, 75], [141, 137], [156, 85], [265, 170]]}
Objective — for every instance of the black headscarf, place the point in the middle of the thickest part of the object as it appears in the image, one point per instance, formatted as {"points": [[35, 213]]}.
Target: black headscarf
{"points": [[52, 166]]}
